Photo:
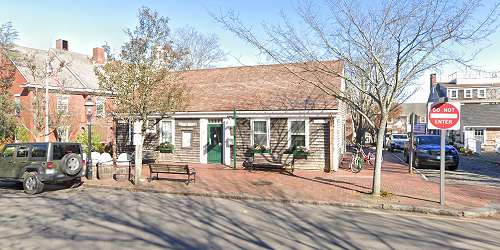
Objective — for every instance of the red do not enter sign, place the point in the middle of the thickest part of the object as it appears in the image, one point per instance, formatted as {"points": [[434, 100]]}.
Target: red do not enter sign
{"points": [[444, 116]]}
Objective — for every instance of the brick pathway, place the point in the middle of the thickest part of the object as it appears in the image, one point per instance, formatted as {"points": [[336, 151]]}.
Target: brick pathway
{"points": [[342, 186]]}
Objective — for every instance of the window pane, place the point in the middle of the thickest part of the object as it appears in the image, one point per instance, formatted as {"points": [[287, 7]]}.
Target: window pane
{"points": [[9, 151], [39, 151], [260, 139], [59, 151], [298, 127], [22, 151], [260, 126], [166, 131], [298, 140]]}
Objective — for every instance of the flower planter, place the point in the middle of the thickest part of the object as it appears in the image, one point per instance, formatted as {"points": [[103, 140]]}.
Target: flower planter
{"points": [[261, 151], [300, 155], [168, 151]]}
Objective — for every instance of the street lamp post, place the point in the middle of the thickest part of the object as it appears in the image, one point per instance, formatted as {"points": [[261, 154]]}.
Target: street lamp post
{"points": [[89, 106]]}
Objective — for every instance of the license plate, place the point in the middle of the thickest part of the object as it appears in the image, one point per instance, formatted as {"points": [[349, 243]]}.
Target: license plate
{"points": [[50, 171]]}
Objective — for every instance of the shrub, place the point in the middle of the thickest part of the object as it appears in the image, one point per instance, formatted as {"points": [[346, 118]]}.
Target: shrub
{"points": [[166, 147], [97, 146]]}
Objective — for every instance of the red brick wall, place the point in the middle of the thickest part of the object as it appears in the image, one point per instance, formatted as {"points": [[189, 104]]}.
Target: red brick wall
{"points": [[75, 121]]}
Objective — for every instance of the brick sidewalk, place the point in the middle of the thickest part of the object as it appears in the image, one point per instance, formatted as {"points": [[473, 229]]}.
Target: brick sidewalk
{"points": [[341, 186]]}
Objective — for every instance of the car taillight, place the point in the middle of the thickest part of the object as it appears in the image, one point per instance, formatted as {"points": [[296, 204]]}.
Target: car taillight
{"points": [[50, 165], [84, 163]]}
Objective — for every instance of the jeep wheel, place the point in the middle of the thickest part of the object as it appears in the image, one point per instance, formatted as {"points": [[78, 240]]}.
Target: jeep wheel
{"points": [[71, 164], [31, 183]]}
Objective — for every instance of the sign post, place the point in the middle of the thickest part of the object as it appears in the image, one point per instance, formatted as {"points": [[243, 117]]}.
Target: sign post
{"points": [[443, 116]]}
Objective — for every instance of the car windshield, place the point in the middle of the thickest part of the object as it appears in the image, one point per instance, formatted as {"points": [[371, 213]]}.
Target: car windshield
{"points": [[428, 140], [60, 150], [403, 137]]}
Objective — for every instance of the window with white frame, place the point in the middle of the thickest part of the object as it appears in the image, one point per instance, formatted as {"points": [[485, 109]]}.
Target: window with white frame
{"points": [[298, 133], [453, 93], [481, 93], [166, 131], [100, 106], [260, 132], [467, 93], [62, 104]]}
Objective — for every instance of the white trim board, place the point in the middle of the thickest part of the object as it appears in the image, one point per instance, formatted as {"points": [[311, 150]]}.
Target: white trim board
{"points": [[256, 114]]}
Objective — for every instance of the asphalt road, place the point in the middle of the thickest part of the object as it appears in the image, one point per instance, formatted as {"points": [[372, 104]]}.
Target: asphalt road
{"points": [[109, 219], [471, 171]]}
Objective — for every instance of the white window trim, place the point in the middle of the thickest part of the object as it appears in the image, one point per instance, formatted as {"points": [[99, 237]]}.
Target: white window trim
{"points": [[483, 95], [173, 129], [268, 128], [468, 95], [306, 121], [67, 104], [103, 100], [455, 91], [67, 130], [190, 140]]}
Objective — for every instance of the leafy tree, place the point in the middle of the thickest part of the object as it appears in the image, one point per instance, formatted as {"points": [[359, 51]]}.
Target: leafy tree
{"points": [[97, 146], [143, 76], [8, 35]]}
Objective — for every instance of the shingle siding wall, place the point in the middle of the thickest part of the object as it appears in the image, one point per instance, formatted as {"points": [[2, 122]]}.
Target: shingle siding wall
{"points": [[318, 142], [480, 114]]}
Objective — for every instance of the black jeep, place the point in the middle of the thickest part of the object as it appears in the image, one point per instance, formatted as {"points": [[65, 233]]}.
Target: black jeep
{"points": [[34, 164]]}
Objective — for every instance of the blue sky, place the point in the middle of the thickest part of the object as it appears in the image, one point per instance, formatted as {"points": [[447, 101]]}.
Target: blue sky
{"points": [[87, 24]]}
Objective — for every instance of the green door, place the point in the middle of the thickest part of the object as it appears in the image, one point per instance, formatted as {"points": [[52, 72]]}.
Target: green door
{"points": [[214, 143]]}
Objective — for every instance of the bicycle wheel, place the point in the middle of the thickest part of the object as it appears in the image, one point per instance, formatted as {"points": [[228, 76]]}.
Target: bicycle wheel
{"points": [[357, 164]]}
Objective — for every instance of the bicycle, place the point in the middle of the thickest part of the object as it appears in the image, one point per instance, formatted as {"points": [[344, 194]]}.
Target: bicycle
{"points": [[360, 158]]}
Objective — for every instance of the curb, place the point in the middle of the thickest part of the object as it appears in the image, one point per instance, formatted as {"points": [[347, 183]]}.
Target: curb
{"points": [[473, 213]]}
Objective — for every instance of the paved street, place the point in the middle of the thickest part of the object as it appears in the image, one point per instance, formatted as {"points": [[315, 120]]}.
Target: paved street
{"points": [[473, 170], [102, 219]]}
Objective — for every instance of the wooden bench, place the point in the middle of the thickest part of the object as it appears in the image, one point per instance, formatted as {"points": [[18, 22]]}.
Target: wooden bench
{"points": [[171, 168], [268, 162]]}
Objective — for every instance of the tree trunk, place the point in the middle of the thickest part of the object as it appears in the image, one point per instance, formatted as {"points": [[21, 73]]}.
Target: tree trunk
{"points": [[114, 150], [378, 157], [138, 151]]}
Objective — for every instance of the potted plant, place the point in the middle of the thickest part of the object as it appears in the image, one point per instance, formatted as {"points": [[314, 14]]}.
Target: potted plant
{"points": [[258, 148], [166, 147]]}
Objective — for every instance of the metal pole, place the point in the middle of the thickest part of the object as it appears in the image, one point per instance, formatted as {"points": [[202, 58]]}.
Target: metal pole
{"points": [[442, 167], [234, 138], [47, 100], [412, 132], [89, 145]]}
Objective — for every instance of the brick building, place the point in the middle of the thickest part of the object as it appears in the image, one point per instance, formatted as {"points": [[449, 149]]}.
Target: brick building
{"points": [[68, 89]]}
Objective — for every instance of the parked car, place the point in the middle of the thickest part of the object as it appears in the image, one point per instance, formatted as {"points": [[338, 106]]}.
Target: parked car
{"points": [[397, 141], [34, 164], [427, 152]]}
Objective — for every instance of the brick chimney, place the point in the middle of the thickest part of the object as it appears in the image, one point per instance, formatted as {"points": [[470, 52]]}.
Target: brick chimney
{"points": [[98, 55], [62, 44], [432, 81]]}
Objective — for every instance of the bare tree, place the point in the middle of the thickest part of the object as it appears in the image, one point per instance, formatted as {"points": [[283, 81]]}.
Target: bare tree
{"points": [[143, 76], [387, 44], [198, 50]]}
